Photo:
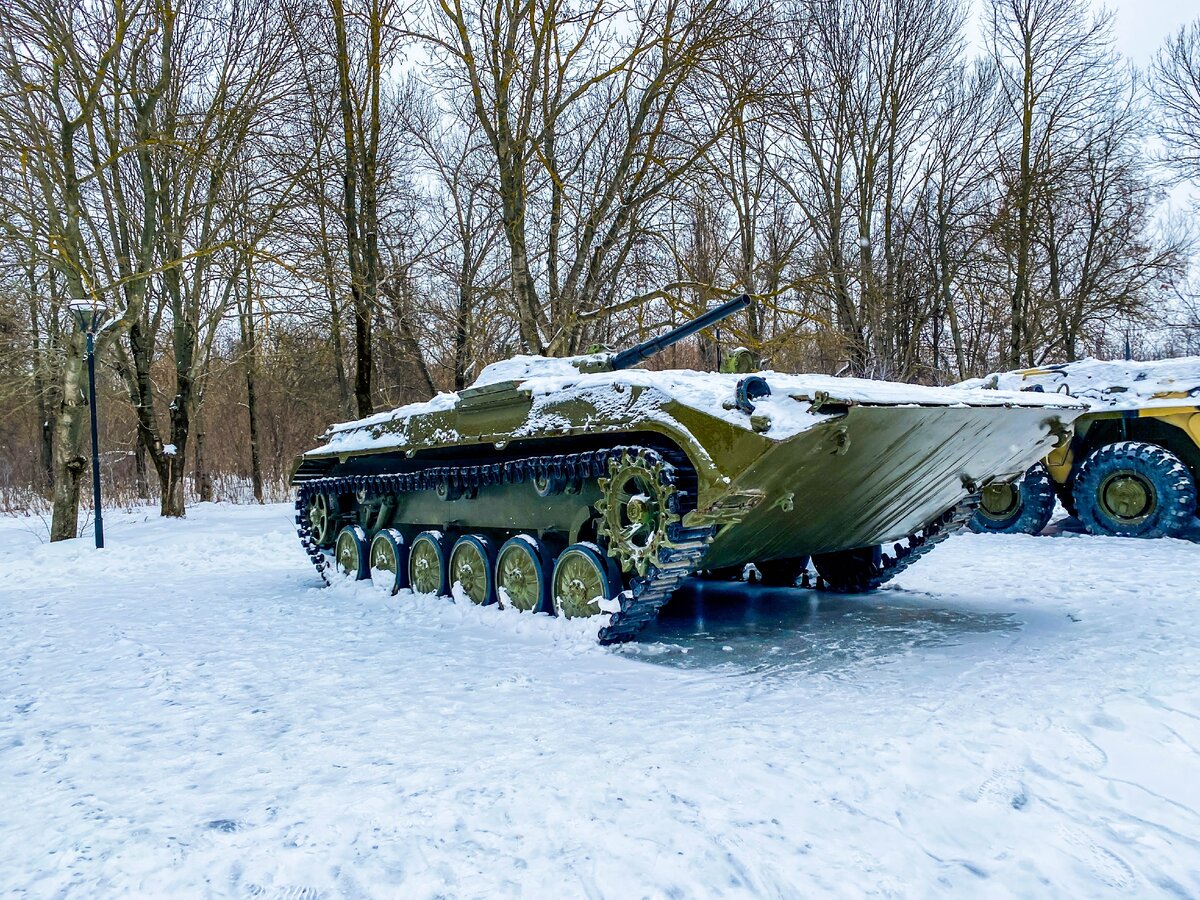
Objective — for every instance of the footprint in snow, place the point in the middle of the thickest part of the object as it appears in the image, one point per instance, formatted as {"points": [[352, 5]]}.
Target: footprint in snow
{"points": [[1108, 868], [283, 892], [1075, 747], [1004, 787]]}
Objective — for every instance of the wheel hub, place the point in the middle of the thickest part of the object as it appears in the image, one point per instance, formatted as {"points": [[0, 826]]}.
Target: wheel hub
{"points": [[1127, 497], [999, 500], [425, 576], [578, 584], [469, 570], [347, 553], [383, 558]]}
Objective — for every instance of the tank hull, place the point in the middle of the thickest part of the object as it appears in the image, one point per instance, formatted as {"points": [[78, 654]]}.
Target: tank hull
{"points": [[665, 473]]}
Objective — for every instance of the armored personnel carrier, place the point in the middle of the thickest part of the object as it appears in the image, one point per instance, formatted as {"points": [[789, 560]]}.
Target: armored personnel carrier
{"points": [[1133, 465], [587, 487]]}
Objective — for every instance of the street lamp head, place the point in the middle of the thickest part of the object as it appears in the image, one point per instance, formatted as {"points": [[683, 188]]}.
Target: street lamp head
{"points": [[88, 313]]}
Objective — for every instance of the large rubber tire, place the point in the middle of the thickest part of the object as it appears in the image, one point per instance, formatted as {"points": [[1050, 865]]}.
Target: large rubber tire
{"points": [[850, 571], [1134, 489], [781, 572], [1025, 508]]}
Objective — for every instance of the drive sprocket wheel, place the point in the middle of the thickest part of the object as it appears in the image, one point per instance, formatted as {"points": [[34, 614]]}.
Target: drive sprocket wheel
{"points": [[638, 504]]}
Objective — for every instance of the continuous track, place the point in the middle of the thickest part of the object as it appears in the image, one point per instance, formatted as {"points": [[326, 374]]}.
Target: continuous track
{"points": [[681, 555], [645, 594]]}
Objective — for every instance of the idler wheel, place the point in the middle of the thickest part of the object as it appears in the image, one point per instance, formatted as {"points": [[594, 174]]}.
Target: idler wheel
{"points": [[321, 519]]}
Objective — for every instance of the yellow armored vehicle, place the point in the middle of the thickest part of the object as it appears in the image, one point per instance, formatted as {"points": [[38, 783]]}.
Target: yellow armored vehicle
{"points": [[587, 487], [1134, 462]]}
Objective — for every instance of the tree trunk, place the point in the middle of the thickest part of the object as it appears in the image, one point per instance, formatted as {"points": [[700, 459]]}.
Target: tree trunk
{"points": [[141, 476], [335, 317], [462, 324], [174, 501], [362, 357], [174, 492], [250, 347], [69, 461], [203, 480], [40, 388]]}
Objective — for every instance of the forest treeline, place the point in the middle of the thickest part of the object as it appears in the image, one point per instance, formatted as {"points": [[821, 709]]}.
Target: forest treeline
{"points": [[302, 211]]}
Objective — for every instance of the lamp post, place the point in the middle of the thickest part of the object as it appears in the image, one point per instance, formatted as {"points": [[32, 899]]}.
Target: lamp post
{"points": [[88, 316]]}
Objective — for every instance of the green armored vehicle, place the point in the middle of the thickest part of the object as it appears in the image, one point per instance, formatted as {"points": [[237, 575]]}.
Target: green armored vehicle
{"points": [[586, 487]]}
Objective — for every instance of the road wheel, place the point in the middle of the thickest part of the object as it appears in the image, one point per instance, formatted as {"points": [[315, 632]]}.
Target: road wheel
{"points": [[585, 582], [522, 580], [1134, 489], [781, 572], [850, 571], [1024, 508], [471, 569], [350, 551], [389, 560], [427, 564]]}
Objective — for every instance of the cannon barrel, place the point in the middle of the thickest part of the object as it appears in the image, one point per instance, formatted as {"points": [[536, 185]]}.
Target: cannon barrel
{"points": [[633, 355]]}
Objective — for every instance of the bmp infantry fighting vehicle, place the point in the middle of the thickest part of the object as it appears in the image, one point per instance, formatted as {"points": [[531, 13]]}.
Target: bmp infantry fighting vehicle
{"points": [[1133, 464], [585, 487]]}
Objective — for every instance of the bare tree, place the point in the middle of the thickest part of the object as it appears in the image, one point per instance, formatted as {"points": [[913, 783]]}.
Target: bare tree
{"points": [[84, 122], [1049, 54], [583, 110], [1176, 88]]}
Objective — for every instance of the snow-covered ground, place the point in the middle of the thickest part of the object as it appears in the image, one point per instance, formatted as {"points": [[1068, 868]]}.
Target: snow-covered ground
{"points": [[187, 714]]}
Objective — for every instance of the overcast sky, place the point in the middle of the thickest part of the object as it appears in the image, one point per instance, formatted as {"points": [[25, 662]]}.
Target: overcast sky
{"points": [[1141, 26]]}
